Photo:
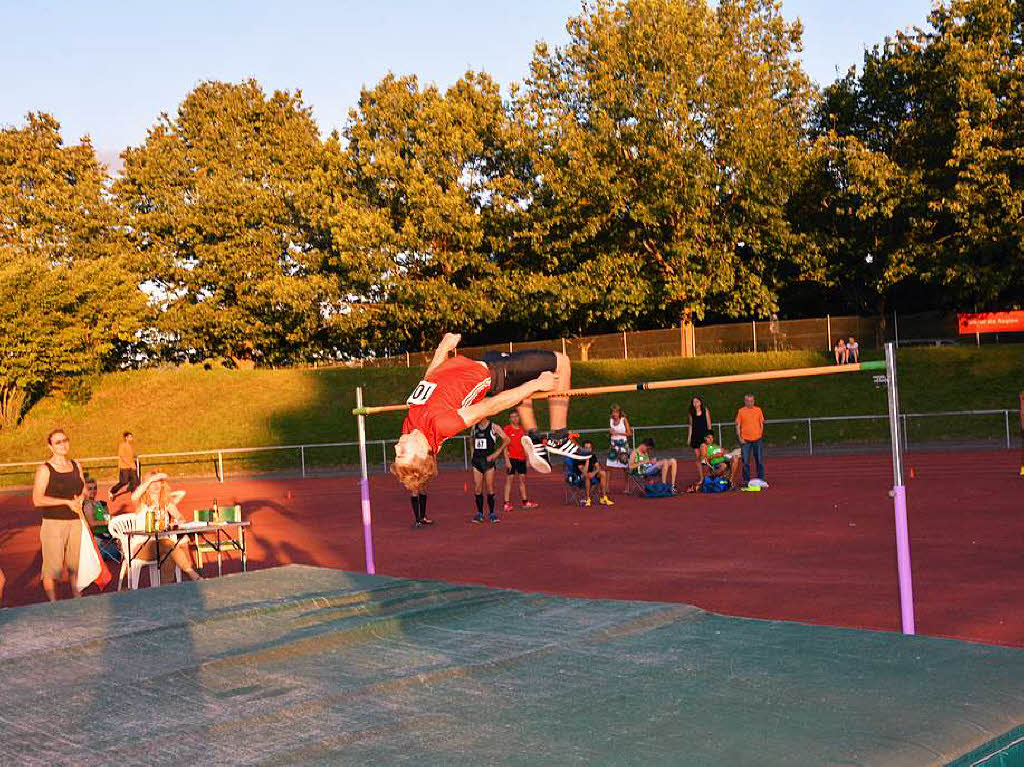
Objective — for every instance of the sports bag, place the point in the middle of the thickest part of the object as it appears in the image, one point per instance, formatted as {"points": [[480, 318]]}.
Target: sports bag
{"points": [[658, 490], [712, 484]]}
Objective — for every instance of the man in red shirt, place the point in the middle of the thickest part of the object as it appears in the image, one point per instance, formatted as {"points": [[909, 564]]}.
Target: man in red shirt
{"points": [[453, 395], [516, 455]]}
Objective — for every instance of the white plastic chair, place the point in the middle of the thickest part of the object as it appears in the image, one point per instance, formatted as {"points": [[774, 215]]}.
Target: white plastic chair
{"points": [[118, 526]]}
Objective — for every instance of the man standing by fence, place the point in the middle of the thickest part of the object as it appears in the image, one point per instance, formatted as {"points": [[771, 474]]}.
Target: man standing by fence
{"points": [[127, 468], [750, 430]]}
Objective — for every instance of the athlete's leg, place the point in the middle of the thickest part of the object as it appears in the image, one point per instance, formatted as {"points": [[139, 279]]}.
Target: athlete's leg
{"points": [[522, 488], [558, 407], [526, 416]]}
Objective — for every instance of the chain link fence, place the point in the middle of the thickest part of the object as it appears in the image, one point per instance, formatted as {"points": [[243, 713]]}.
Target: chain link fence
{"points": [[754, 336]]}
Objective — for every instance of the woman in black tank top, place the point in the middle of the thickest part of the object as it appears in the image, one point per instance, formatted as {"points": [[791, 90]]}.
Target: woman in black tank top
{"points": [[57, 493]]}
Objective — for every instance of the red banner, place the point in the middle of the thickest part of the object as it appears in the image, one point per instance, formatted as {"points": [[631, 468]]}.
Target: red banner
{"points": [[991, 322]]}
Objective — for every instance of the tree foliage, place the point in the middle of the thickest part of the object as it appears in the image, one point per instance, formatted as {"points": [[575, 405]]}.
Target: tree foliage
{"points": [[666, 135], [217, 203], [671, 160], [66, 295], [416, 206]]}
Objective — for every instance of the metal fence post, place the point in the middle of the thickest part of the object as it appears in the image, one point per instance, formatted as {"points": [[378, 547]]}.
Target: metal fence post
{"points": [[465, 454], [384, 452], [828, 331], [625, 348], [810, 439], [1006, 413], [302, 459], [719, 434], [753, 330], [220, 466]]}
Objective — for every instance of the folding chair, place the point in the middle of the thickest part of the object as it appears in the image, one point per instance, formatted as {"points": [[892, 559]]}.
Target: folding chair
{"points": [[573, 483], [637, 481]]}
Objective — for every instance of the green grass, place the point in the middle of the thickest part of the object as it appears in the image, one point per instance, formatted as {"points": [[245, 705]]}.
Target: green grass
{"points": [[188, 409]]}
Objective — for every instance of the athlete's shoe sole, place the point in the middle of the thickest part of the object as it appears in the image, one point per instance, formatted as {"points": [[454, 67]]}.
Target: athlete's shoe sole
{"points": [[535, 457], [477, 519]]}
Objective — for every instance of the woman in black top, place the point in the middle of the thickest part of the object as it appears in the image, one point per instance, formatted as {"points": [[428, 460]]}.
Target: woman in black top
{"points": [[700, 424], [57, 492]]}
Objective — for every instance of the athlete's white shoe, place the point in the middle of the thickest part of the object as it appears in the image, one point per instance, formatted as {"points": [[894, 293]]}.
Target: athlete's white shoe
{"points": [[535, 456], [565, 447]]}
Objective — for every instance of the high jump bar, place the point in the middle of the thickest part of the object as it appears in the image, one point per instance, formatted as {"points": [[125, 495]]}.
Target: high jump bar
{"points": [[677, 383]]}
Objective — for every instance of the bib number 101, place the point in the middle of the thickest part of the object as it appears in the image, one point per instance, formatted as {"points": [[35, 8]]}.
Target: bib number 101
{"points": [[421, 393]]}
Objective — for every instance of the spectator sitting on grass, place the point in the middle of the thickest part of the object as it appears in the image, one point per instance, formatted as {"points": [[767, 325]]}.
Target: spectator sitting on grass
{"points": [[852, 350], [842, 355], [643, 462]]}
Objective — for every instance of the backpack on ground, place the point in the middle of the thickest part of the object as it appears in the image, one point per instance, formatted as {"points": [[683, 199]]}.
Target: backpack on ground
{"points": [[658, 490], [713, 484]]}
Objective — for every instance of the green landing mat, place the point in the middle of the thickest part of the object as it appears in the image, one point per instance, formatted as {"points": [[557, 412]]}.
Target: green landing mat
{"points": [[314, 666]]}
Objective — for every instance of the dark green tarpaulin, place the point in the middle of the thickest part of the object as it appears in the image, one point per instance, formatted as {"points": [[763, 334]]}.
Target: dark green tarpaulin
{"points": [[309, 665]]}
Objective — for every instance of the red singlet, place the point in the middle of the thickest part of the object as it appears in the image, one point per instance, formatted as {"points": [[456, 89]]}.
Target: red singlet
{"points": [[433, 406], [515, 447]]}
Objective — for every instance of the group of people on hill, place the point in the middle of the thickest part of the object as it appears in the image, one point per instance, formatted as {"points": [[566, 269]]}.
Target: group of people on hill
{"points": [[458, 393], [847, 352]]}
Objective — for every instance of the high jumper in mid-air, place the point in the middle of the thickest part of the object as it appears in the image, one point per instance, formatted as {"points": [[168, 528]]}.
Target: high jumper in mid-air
{"points": [[457, 392]]}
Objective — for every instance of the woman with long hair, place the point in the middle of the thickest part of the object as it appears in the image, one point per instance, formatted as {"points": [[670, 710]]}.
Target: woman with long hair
{"points": [[699, 417], [155, 495]]}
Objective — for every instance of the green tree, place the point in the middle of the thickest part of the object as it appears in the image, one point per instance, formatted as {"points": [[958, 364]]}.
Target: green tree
{"points": [[979, 249], [665, 139], [217, 201], [65, 295], [417, 204], [919, 161]]}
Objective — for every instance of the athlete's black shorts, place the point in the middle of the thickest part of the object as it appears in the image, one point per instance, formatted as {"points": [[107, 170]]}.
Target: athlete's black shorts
{"points": [[516, 466], [481, 464], [511, 369]]}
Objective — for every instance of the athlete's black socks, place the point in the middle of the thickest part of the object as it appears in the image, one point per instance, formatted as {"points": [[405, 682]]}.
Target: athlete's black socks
{"points": [[490, 502], [479, 503], [415, 500], [423, 506]]}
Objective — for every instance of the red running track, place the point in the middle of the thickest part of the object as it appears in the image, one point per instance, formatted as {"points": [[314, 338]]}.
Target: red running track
{"points": [[817, 547]]}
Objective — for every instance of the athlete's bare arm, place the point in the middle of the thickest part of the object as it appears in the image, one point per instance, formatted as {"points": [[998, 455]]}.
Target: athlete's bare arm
{"points": [[499, 403], [503, 438], [448, 343]]}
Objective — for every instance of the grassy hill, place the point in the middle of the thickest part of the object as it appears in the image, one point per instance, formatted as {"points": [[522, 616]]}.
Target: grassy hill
{"points": [[190, 409]]}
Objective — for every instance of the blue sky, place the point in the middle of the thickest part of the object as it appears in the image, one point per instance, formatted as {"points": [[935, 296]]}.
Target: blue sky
{"points": [[110, 68]]}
